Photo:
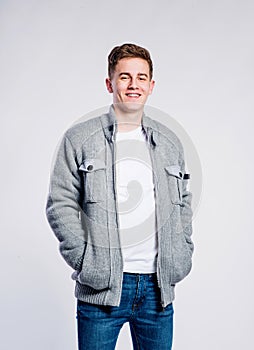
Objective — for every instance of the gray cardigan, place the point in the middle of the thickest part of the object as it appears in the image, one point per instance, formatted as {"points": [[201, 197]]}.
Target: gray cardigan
{"points": [[82, 209]]}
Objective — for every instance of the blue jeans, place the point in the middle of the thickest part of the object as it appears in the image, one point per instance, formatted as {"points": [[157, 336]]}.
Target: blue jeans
{"points": [[151, 327]]}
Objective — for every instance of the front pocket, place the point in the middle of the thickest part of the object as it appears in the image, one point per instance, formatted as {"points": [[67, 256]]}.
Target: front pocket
{"points": [[94, 172], [175, 183], [95, 271], [182, 260]]}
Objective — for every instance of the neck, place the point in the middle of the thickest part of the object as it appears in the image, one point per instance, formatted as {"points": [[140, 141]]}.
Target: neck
{"points": [[127, 120]]}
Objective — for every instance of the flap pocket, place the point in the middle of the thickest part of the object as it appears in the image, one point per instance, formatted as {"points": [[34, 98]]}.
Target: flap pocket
{"points": [[175, 183], [174, 170], [94, 171]]}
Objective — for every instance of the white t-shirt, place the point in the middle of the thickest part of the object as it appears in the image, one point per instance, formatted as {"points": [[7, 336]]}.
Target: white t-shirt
{"points": [[136, 202]]}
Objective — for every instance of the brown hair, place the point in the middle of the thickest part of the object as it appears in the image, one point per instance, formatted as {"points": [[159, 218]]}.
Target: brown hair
{"points": [[128, 51]]}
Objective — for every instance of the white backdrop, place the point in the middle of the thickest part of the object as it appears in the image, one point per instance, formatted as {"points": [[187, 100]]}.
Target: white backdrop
{"points": [[52, 69]]}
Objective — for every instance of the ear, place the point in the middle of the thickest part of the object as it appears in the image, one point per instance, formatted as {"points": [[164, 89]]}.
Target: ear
{"points": [[152, 83], [109, 85]]}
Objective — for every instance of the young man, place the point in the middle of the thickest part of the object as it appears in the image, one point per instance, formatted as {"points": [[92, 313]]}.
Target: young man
{"points": [[119, 206]]}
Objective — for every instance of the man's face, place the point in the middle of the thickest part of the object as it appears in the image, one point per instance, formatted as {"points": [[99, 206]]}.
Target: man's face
{"points": [[130, 84]]}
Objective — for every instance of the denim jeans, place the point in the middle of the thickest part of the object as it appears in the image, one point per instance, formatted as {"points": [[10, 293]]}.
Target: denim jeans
{"points": [[151, 327]]}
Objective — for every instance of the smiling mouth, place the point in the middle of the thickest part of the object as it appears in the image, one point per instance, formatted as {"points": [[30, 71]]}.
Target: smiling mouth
{"points": [[133, 95]]}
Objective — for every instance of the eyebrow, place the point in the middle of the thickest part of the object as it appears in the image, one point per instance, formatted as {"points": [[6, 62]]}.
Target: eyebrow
{"points": [[126, 73]]}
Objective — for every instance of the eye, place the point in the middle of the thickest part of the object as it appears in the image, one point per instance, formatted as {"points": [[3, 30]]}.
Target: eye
{"points": [[143, 78], [124, 77]]}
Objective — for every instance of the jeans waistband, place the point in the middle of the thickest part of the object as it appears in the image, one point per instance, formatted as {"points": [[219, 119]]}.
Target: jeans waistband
{"points": [[139, 276]]}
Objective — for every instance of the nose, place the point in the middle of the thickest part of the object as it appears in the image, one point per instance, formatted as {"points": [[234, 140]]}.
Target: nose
{"points": [[133, 84]]}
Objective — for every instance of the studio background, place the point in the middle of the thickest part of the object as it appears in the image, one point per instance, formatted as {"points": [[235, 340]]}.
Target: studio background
{"points": [[53, 66]]}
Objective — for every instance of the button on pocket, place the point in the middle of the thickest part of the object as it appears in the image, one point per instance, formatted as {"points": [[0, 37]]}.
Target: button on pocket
{"points": [[94, 171], [90, 167]]}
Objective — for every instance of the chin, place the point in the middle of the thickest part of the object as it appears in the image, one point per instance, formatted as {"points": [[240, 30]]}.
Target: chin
{"points": [[131, 106]]}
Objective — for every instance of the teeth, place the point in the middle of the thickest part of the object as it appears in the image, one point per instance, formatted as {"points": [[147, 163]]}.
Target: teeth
{"points": [[133, 95]]}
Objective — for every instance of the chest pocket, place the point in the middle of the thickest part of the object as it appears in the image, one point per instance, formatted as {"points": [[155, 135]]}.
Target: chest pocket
{"points": [[175, 181], [94, 172]]}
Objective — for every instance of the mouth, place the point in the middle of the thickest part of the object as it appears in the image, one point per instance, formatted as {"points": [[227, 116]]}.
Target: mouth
{"points": [[133, 95]]}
